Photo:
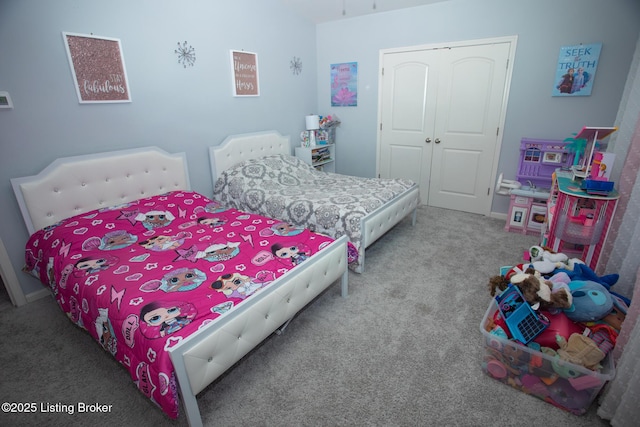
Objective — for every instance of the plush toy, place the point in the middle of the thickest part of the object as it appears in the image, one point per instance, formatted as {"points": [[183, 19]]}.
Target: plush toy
{"points": [[561, 367], [537, 253], [584, 272], [547, 261], [517, 269], [580, 350], [542, 267], [591, 301], [536, 290]]}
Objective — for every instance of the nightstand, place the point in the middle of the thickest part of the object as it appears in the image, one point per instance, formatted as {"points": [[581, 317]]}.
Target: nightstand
{"points": [[321, 157]]}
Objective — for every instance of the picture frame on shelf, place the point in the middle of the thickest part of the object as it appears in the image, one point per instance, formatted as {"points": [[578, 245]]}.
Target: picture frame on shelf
{"points": [[518, 217]]}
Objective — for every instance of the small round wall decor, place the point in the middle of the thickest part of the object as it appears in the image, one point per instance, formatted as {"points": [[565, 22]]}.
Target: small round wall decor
{"points": [[186, 54], [296, 66]]}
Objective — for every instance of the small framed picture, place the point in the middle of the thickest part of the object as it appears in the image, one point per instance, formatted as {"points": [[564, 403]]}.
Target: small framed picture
{"points": [[537, 217], [551, 157], [518, 216], [244, 73]]}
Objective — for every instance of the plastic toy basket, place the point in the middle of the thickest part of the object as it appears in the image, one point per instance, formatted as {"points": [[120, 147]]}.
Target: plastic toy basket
{"points": [[565, 385]]}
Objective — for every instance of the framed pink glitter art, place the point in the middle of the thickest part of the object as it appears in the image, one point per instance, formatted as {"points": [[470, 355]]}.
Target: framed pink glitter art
{"points": [[97, 66]]}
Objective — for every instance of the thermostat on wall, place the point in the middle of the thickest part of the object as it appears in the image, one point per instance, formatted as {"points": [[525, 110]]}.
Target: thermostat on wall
{"points": [[5, 100]]}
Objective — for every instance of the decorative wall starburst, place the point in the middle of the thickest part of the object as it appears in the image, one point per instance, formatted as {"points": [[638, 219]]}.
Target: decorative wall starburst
{"points": [[296, 65], [186, 55]]}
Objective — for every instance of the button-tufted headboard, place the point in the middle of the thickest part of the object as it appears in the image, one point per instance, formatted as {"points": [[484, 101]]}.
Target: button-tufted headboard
{"points": [[238, 148], [73, 185]]}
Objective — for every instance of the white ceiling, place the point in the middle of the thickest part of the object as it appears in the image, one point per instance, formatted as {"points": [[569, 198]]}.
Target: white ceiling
{"points": [[332, 10]]}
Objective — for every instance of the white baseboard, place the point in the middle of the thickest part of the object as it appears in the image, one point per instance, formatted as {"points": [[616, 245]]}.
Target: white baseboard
{"points": [[34, 296], [498, 215]]}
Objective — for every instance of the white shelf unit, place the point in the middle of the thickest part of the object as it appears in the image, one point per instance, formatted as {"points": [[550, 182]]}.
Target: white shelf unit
{"points": [[321, 157]]}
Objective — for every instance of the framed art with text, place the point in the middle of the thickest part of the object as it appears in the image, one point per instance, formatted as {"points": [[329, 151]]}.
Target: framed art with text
{"points": [[97, 66], [244, 73], [344, 84], [576, 69]]}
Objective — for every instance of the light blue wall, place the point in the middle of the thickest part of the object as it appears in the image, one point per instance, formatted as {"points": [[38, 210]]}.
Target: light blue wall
{"points": [[542, 27], [175, 108]]}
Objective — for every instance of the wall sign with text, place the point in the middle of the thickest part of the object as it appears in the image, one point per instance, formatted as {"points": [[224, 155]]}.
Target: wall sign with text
{"points": [[344, 84], [244, 73], [98, 68], [576, 69]]}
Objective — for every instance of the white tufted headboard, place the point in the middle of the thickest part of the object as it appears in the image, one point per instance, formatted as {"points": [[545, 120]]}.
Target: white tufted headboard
{"points": [[73, 185], [238, 148]]}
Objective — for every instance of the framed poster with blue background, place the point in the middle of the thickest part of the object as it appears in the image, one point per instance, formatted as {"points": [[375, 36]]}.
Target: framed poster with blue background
{"points": [[576, 69]]}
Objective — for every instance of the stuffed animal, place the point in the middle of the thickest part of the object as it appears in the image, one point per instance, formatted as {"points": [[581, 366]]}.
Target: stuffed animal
{"points": [[584, 272], [542, 267], [536, 290], [591, 301], [536, 253], [580, 350], [520, 268], [546, 259]]}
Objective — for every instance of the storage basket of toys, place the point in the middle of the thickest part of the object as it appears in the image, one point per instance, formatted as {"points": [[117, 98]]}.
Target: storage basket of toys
{"points": [[550, 330]]}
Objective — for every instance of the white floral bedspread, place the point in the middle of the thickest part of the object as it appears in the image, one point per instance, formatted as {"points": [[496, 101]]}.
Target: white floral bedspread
{"points": [[285, 188]]}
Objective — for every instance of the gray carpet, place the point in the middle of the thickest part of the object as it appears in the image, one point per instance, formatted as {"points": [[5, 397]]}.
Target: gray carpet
{"points": [[403, 350]]}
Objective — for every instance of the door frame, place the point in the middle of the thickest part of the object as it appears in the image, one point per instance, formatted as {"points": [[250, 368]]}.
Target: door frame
{"points": [[512, 40], [10, 279]]}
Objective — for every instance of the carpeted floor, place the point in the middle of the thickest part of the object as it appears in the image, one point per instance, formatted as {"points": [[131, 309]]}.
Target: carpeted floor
{"points": [[404, 349]]}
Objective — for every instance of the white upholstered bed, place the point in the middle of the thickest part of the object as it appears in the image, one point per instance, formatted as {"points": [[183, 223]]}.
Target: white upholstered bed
{"points": [[76, 185], [373, 222]]}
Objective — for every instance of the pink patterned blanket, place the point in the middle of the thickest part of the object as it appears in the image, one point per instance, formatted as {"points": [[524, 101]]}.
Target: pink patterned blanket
{"points": [[142, 276]]}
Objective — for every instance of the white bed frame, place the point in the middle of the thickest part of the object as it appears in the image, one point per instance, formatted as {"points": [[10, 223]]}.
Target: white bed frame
{"points": [[74, 185], [238, 148]]}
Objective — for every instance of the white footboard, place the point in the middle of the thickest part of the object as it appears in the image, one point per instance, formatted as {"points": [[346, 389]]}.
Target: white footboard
{"points": [[204, 356], [384, 218]]}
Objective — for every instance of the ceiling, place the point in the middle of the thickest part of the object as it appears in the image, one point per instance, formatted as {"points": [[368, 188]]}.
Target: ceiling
{"points": [[332, 10]]}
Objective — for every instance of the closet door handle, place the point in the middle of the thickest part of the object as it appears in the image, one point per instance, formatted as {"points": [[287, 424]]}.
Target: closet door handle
{"points": [[437, 140], [428, 140]]}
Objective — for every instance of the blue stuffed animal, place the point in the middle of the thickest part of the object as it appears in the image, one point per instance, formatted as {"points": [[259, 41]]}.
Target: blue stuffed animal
{"points": [[584, 272], [591, 301]]}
